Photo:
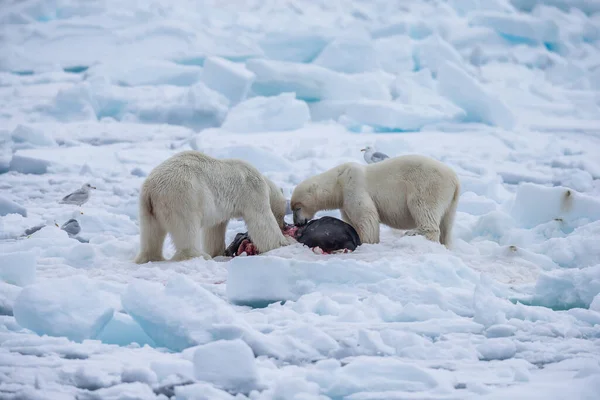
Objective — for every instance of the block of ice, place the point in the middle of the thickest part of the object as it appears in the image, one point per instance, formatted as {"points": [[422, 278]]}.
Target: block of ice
{"points": [[18, 268], [38, 161], [73, 307], [257, 281], [8, 295], [497, 349], [178, 315], [136, 72], [433, 52], [26, 136], [294, 47], [8, 206], [122, 330], [378, 374], [595, 305], [517, 26], [350, 54], [419, 89], [201, 391], [536, 204], [262, 114], [228, 364], [564, 289], [396, 116], [312, 82], [230, 79], [196, 106], [395, 53], [479, 104]]}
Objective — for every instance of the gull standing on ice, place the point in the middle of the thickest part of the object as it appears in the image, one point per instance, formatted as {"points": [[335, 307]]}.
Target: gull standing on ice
{"points": [[371, 156], [72, 227], [78, 197]]}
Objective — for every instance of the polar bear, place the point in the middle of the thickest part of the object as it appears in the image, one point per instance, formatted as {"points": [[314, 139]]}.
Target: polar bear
{"points": [[192, 192], [410, 192]]}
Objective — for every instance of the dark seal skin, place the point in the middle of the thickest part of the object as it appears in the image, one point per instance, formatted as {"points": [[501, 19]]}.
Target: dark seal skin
{"points": [[328, 234]]}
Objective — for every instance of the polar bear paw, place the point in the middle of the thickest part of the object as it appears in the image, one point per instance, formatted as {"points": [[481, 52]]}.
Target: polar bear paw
{"points": [[188, 254], [144, 258], [413, 232], [433, 235]]}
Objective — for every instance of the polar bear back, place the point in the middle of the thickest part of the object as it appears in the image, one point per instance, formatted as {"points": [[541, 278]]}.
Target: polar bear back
{"points": [[194, 176], [390, 183], [395, 179]]}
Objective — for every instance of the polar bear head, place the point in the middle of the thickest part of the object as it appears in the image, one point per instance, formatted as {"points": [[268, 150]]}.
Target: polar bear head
{"points": [[319, 192], [302, 202]]}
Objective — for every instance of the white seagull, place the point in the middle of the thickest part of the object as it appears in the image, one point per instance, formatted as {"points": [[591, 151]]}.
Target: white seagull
{"points": [[371, 156], [78, 197]]}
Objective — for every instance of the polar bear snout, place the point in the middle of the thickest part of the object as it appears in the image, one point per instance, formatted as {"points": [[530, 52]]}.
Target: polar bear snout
{"points": [[299, 218]]}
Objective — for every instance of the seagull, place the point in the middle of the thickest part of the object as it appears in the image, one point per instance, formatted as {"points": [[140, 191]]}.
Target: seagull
{"points": [[371, 156], [78, 197], [72, 227]]}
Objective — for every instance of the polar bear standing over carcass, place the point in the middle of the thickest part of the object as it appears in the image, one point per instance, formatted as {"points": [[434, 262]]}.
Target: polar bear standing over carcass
{"points": [[410, 192], [192, 193]]}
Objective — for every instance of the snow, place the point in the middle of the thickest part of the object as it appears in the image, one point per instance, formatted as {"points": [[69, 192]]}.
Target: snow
{"points": [[518, 27], [497, 349], [151, 305], [394, 116], [350, 54], [504, 91], [561, 203], [228, 364], [145, 73], [312, 82], [8, 206], [479, 104], [18, 268], [72, 307], [260, 114], [28, 136], [230, 79]]}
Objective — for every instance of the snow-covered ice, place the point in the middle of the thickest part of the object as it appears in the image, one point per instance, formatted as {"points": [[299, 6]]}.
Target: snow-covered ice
{"points": [[229, 364], [100, 92], [259, 114], [231, 79]]}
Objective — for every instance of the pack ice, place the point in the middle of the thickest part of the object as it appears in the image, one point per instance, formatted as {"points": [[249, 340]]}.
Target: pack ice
{"points": [[505, 92]]}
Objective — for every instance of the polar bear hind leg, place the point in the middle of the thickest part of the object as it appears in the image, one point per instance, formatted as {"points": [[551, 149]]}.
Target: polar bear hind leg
{"points": [[448, 220], [184, 230], [152, 234], [427, 218], [213, 239]]}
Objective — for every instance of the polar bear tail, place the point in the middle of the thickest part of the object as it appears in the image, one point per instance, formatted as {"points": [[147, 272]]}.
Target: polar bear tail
{"points": [[152, 234], [448, 219], [146, 205]]}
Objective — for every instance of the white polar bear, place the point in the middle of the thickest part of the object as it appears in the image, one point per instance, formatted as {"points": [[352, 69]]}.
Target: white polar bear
{"points": [[410, 192], [191, 191]]}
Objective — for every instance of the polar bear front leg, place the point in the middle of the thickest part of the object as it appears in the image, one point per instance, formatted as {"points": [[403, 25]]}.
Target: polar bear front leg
{"points": [[345, 217], [263, 228], [213, 239], [360, 212]]}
